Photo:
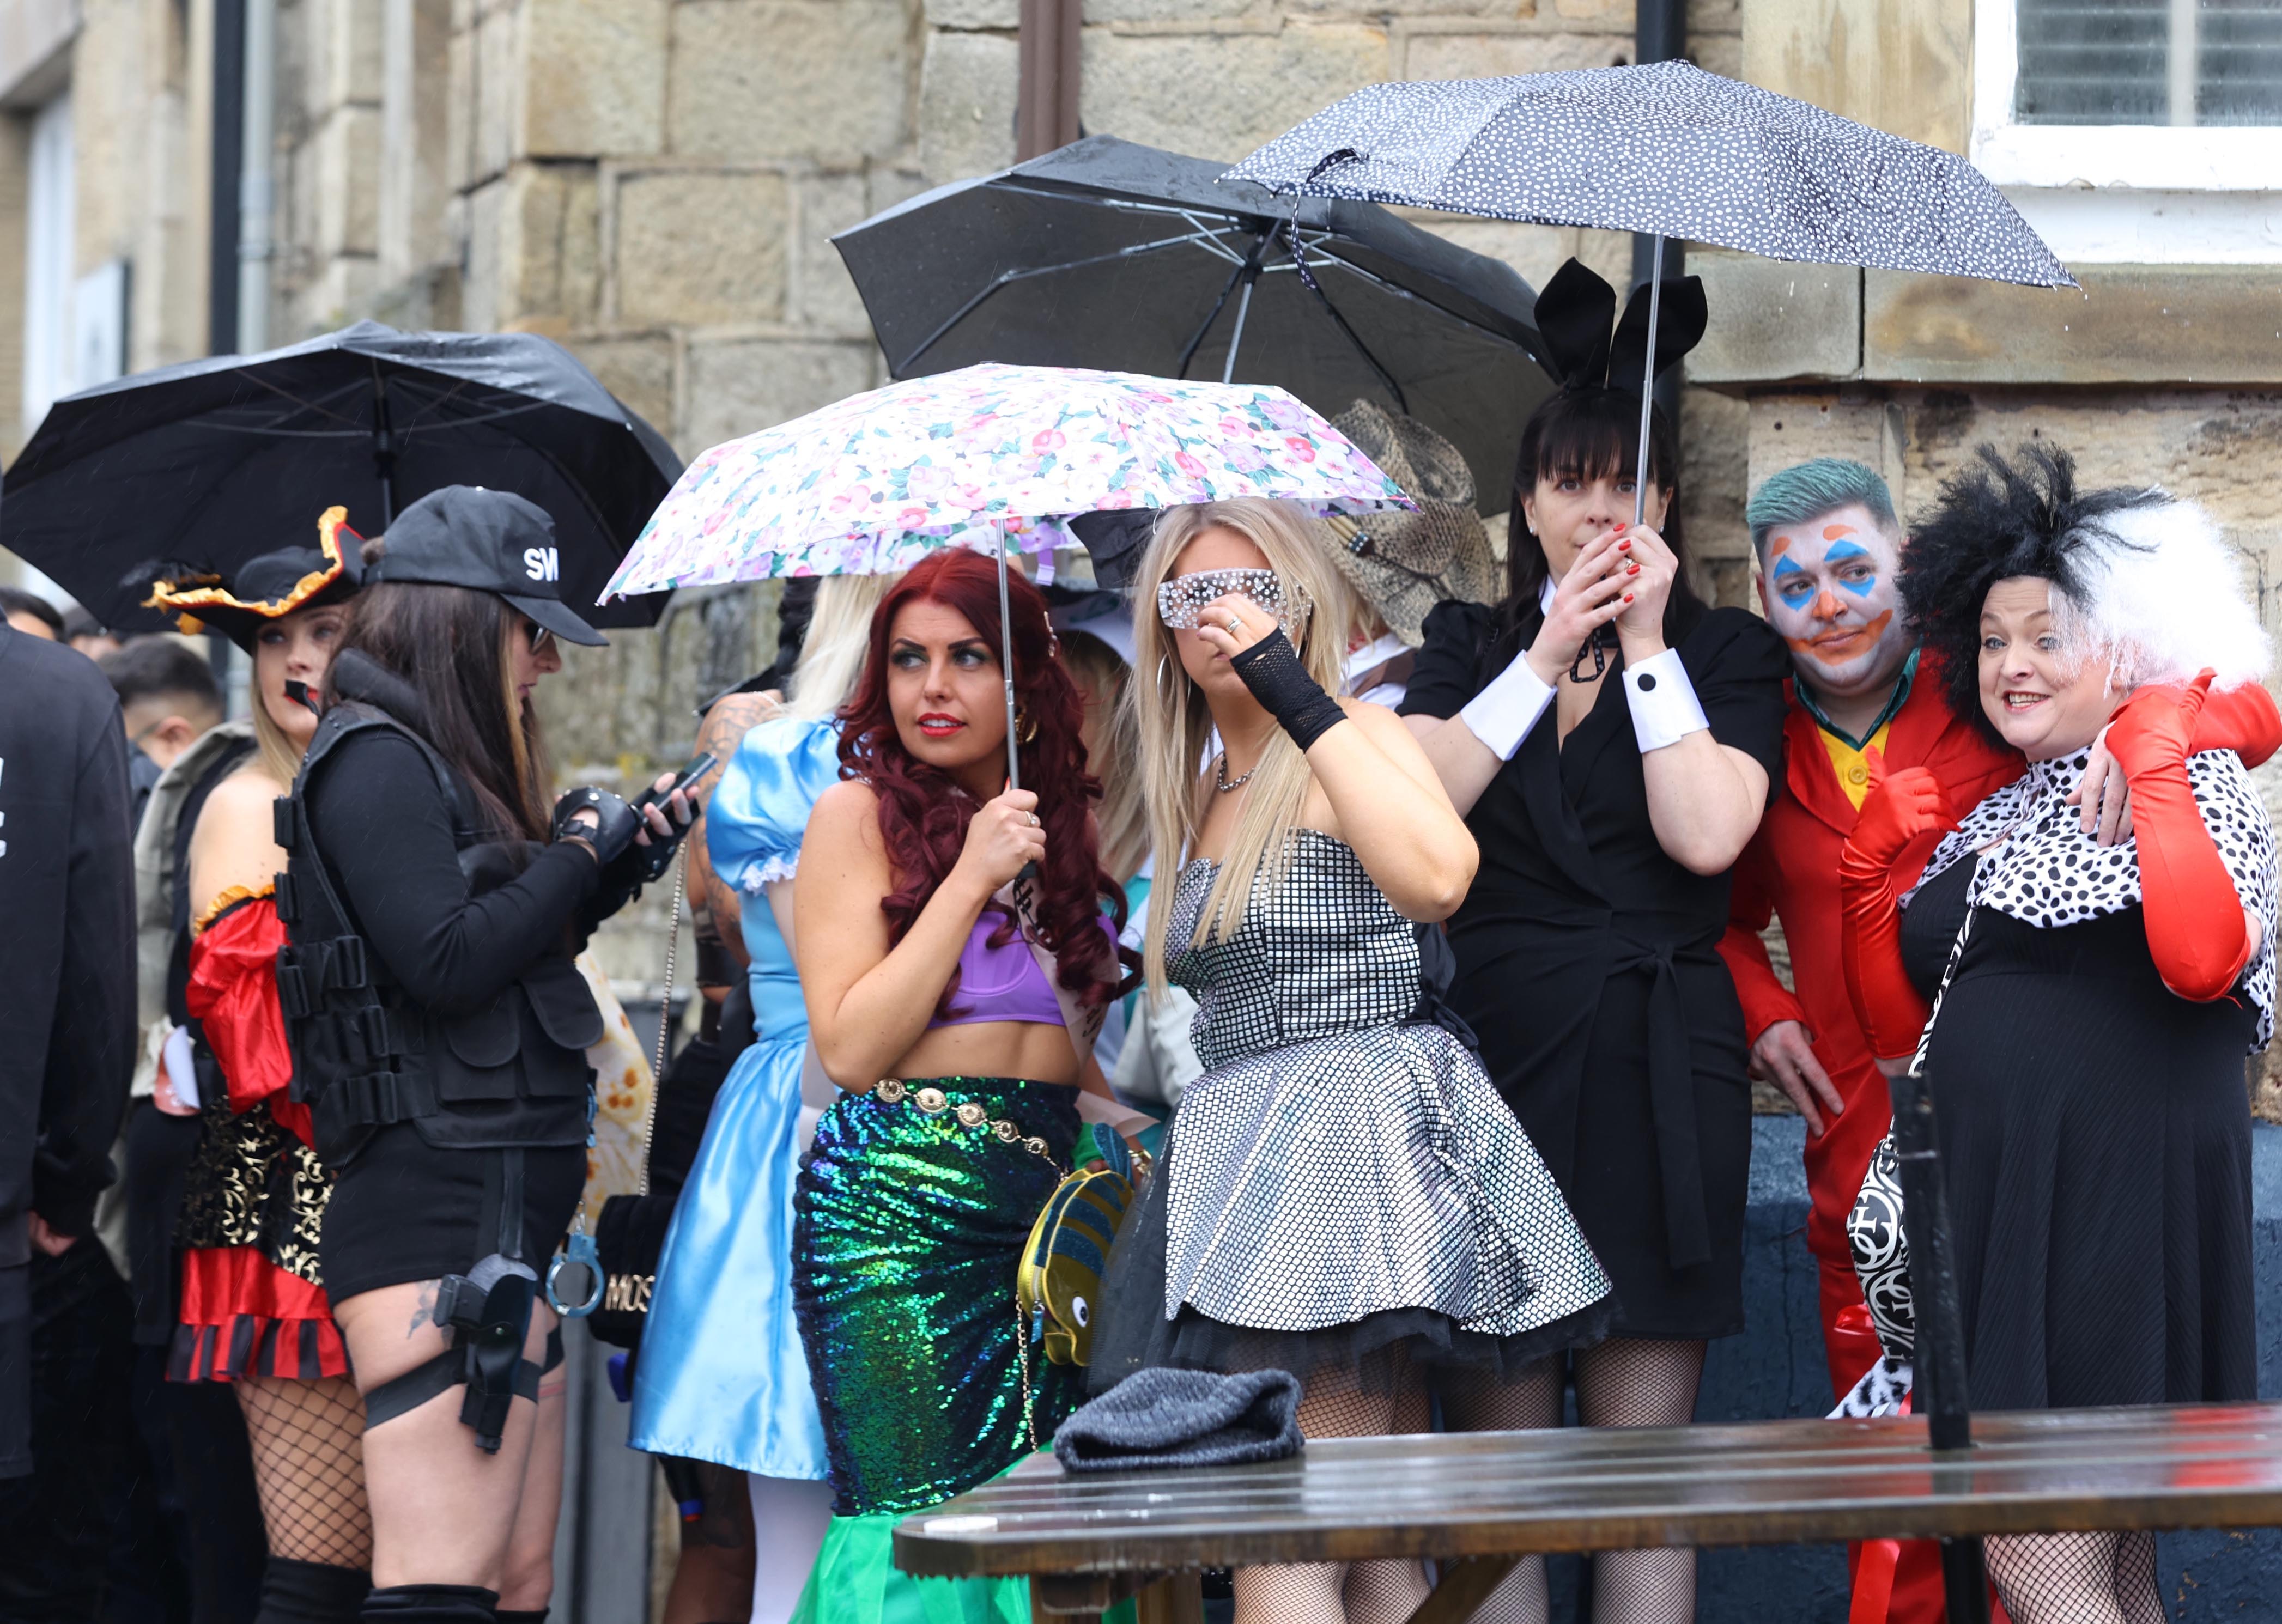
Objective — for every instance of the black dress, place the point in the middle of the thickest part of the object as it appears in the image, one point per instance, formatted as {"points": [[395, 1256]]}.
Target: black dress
{"points": [[1589, 966], [2095, 1133]]}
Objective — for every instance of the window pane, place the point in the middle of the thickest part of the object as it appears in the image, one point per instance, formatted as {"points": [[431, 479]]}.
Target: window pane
{"points": [[2109, 62], [2239, 62], [2094, 62]]}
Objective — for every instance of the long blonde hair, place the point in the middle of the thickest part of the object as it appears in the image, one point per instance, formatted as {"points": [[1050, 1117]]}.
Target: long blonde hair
{"points": [[1121, 819], [1175, 724], [280, 757], [839, 638]]}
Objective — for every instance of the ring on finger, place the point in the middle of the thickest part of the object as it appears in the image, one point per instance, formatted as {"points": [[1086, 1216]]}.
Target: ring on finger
{"points": [[1034, 823]]}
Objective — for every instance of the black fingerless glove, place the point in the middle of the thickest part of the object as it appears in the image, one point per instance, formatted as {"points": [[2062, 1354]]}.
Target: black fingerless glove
{"points": [[657, 856], [611, 835], [1271, 669]]}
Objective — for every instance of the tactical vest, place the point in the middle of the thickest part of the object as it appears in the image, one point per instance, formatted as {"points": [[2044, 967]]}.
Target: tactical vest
{"points": [[513, 1073]]}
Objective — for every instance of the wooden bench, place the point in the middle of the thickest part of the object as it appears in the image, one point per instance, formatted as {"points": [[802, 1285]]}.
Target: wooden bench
{"points": [[1477, 1501]]}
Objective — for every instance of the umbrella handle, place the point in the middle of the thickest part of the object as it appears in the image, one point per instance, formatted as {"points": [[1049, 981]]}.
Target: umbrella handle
{"points": [[1007, 670], [1007, 658], [1647, 385]]}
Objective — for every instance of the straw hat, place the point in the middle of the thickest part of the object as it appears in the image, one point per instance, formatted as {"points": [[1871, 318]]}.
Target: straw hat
{"points": [[1405, 563]]}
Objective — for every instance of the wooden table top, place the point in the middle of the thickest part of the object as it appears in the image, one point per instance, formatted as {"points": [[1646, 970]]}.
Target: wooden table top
{"points": [[1483, 1494]]}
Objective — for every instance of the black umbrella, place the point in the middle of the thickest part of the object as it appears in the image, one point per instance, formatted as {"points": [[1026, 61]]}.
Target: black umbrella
{"points": [[1105, 254], [215, 461], [1668, 150]]}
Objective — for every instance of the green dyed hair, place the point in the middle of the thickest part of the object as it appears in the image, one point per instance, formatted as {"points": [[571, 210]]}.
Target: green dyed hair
{"points": [[1812, 488]]}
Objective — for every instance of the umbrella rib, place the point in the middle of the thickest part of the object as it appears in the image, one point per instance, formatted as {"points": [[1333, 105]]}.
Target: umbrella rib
{"points": [[1007, 278], [287, 394], [1196, 339], [1289, 267], [360, 432], [434, 401], [1401, 401], [1238, 220]]}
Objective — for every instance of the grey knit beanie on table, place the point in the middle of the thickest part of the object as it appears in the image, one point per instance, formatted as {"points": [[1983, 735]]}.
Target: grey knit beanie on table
{"points": [[1183, 1418]]}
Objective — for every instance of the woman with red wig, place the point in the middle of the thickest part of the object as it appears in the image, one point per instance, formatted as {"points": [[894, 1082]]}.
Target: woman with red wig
{"points": [[956, 1017]]}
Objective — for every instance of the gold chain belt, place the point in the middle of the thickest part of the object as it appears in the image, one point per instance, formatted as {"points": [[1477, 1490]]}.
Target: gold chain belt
{"points": [[932, 1101]]}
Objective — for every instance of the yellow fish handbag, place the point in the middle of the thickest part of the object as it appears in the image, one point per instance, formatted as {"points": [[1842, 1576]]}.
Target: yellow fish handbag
{"points": [[1060, 1279]]}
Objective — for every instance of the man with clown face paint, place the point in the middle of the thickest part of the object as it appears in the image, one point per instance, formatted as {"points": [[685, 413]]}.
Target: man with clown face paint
{"points": [[1830, 551]]}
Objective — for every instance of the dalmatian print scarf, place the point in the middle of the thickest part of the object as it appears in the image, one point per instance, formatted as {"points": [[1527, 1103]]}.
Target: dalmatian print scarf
{"points": [[2050, 874]]}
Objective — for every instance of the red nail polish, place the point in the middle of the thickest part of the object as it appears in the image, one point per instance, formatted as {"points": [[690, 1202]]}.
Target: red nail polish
{"points": [[1629, 597], [1623, 546], [1631, 569], [1620, 524]]}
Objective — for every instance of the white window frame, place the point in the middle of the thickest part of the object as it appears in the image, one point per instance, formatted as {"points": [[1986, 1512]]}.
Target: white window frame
{"points": [[2128, 193], [51, 256]]}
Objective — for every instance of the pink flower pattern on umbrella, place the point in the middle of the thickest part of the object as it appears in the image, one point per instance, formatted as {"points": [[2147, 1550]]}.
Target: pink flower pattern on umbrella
{"points": [[873, 483]]}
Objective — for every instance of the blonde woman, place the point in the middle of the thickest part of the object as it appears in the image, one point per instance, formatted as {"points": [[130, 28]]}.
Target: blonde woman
{"points": [[722, 1377], [1344, 1196]]}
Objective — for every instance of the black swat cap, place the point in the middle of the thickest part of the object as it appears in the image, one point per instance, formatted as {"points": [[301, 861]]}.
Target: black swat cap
{"points": [[493, 541]]}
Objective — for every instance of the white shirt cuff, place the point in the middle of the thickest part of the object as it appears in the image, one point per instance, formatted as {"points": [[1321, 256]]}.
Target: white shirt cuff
{"points": [[1663, 701], [1502, 714]]}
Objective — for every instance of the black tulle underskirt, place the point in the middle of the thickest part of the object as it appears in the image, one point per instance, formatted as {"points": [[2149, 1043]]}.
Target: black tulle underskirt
{"points": [[1377, 1352]]}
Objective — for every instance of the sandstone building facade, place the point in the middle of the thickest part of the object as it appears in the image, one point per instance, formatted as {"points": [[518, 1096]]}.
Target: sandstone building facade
{"points": [[654, 182]]}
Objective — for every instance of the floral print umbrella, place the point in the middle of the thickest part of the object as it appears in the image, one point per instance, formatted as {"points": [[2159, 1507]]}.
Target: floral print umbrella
{"points": [[873, 483]]}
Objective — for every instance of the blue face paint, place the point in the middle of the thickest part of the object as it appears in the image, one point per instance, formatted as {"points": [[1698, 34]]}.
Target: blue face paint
{"points": [[1846, 552], [1791, 582]]}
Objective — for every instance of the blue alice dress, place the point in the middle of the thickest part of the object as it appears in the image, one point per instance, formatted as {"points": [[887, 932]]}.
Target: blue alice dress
{"points": [[722, 1376]]}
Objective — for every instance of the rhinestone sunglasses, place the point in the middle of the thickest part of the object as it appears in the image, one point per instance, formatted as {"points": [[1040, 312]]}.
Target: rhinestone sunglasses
{"points": [[1179, 598]]}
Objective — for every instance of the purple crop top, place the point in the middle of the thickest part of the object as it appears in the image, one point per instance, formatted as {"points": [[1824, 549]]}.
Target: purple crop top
{"points": [[1000, 984]]}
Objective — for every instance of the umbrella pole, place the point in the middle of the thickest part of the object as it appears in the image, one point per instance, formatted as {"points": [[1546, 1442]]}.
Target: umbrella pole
{"points": [[1236, 338], [1648, 384], [384, 448], [1006, 661]]}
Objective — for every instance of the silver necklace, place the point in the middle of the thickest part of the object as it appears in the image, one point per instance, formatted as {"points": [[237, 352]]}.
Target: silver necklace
{"points": [[1224, 782]]}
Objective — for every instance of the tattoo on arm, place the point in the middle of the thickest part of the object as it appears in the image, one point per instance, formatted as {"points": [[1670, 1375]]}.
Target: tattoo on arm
{"points": [[726, 724]]}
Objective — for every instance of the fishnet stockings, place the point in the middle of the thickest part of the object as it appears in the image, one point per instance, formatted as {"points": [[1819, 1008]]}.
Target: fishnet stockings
{"points": [[1625, 1381], [308, 1467], [2076, 1578], [1385, 1396]]}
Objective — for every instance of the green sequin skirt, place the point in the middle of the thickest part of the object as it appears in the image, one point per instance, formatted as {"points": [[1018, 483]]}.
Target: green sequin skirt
{"points": [[908, 1226]]}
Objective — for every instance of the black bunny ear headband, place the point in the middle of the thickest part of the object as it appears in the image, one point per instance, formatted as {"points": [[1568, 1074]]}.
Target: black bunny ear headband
{"points": [[1576, 309]]}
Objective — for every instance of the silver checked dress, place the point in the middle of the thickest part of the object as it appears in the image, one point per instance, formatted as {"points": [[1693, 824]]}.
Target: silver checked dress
{"points": [[1343, 1181]]}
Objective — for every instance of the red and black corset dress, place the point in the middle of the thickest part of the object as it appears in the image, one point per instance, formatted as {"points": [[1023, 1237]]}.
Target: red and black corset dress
{"points": [[254, 1202]]}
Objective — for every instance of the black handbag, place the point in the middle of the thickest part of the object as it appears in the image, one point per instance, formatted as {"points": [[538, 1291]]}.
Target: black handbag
{"points": [[629, 1235]]}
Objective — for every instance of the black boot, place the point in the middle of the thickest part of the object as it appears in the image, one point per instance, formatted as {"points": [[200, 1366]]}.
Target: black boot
{"points": [[311, 1593], [431, 1604]]}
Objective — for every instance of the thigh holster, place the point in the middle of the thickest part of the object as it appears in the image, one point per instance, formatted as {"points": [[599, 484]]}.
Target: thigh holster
{"points": [[488, 1313]]}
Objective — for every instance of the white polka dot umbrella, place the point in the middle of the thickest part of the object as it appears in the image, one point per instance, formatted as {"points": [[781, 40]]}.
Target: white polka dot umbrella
{"points": [[1668, 150]]}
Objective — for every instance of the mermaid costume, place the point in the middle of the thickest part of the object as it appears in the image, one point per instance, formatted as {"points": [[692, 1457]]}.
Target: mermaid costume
{"points": [[913, 1205]]}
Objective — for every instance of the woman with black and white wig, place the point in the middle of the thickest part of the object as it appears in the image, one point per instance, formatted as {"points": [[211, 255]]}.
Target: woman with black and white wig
{"points": [[2091, 1005]]}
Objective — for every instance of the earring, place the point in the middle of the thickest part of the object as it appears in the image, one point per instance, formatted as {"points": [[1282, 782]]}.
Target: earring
{"points": [[1026, 726]]}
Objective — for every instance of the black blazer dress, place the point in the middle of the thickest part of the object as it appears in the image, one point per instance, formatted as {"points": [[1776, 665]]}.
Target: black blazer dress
{"points": [[1588, 965]]}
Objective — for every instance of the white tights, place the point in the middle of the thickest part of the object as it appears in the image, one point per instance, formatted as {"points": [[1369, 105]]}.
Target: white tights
{"points": [[789, 1517]]}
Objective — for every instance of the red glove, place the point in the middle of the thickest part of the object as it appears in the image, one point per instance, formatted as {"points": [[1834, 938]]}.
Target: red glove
{"points": [[2242, 719], [2196, 929], [1899, 810]]}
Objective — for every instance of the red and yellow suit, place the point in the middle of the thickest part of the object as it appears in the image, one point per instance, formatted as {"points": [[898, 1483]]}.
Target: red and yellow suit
{"points": [[1790, 871], [254, 1195]]}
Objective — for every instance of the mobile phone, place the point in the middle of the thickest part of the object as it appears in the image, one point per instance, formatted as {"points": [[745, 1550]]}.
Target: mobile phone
{"points": [[699, 765]]}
